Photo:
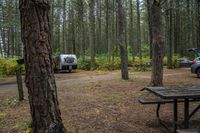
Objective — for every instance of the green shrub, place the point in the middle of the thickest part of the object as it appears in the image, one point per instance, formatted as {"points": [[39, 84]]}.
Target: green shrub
{"points": [[175, 63], [84, 65], [102, 64], [8, 66]]}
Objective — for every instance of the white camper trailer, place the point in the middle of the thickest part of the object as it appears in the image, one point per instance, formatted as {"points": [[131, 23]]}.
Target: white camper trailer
{"points": [[65, 62]]}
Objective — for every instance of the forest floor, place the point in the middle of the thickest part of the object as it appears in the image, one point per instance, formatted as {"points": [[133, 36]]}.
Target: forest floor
{"points": [[98, 102]]}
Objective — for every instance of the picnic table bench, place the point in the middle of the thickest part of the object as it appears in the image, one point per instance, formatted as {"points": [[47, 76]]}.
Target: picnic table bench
{"points": [[188, 131], [175, 95]]}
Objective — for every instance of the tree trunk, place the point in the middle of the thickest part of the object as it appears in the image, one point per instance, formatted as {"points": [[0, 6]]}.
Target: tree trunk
{"points": [[150, 28], [8, 42], [81, 28], [170, 35], [4, 40], [188, 24], [177, 29], [40, 80], [121, 41], [52, 25], [107, 32], [157, 44], [131, 31], [113, 31], [92, 34], [139, 30], [64, 28], [99, 34], [1, 49], [13, 41], [198, 24], [73, 33]]}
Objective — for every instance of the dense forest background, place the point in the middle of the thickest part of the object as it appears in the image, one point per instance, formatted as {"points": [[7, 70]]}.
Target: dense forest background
{"points": [[89, 29]]}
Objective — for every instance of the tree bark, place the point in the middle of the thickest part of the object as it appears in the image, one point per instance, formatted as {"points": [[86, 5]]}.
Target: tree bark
{"points": [[170, 35], [1, 49], [139, 30], [40, 80], [177, 29], [52, 25], [107, 32], [150, 28], [131, 31], [157, 44], [92, 34], [121, 41], [63, 50], [198, 24], [8, 42], [81, 28], [99, 33]]}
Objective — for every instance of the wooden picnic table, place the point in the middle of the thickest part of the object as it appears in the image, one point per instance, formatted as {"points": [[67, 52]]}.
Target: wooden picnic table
{"points": [[176, 93]]}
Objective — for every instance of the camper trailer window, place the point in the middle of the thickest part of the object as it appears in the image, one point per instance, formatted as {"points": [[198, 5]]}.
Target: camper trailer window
{"points": [[69, 59]]}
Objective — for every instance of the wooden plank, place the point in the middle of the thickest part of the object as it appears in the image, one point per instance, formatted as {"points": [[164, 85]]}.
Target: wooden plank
{"points": [[188, 131], [175, 93], [155, 101]]}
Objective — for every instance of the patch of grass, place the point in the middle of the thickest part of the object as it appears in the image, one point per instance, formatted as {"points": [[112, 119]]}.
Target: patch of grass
{"points": [[69, 130], [24, 124], [115, 96], [11, 101], [2, 115], [28, 130], [86, 86], [136, 79], [110, 97]]}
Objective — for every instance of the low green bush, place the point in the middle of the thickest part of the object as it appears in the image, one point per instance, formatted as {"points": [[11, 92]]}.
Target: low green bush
{"points": [[101, 63], [84, 64], [8, 66], [175, 63], [112, 65]]}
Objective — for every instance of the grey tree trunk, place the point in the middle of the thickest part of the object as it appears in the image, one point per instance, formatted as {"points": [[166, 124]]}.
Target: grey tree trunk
{"points": [[107, 32], [92, 34], [64, 43], [99, 33], [170, 35], [131, 31], [121, 41], [177, 29], [157, 44], [52, 25], [139, 30], [150, 28], [40, 80]]}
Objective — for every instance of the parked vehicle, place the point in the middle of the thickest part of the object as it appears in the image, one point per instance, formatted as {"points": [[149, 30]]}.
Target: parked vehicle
{"points": [[195, 67], [195, 50], [65, 62], [184, 62]]}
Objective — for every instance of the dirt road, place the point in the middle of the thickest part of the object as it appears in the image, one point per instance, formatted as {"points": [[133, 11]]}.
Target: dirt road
{"points": [[86, 76]]}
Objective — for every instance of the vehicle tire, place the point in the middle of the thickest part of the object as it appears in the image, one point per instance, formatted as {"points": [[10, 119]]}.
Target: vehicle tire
{"points": [[198, 72]]}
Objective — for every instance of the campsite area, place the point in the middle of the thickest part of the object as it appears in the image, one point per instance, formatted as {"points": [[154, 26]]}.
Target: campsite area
{"points": [[98, 102]]}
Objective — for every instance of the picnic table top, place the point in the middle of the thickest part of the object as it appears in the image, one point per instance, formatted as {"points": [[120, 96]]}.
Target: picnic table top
{"points": [[187, 91]]}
